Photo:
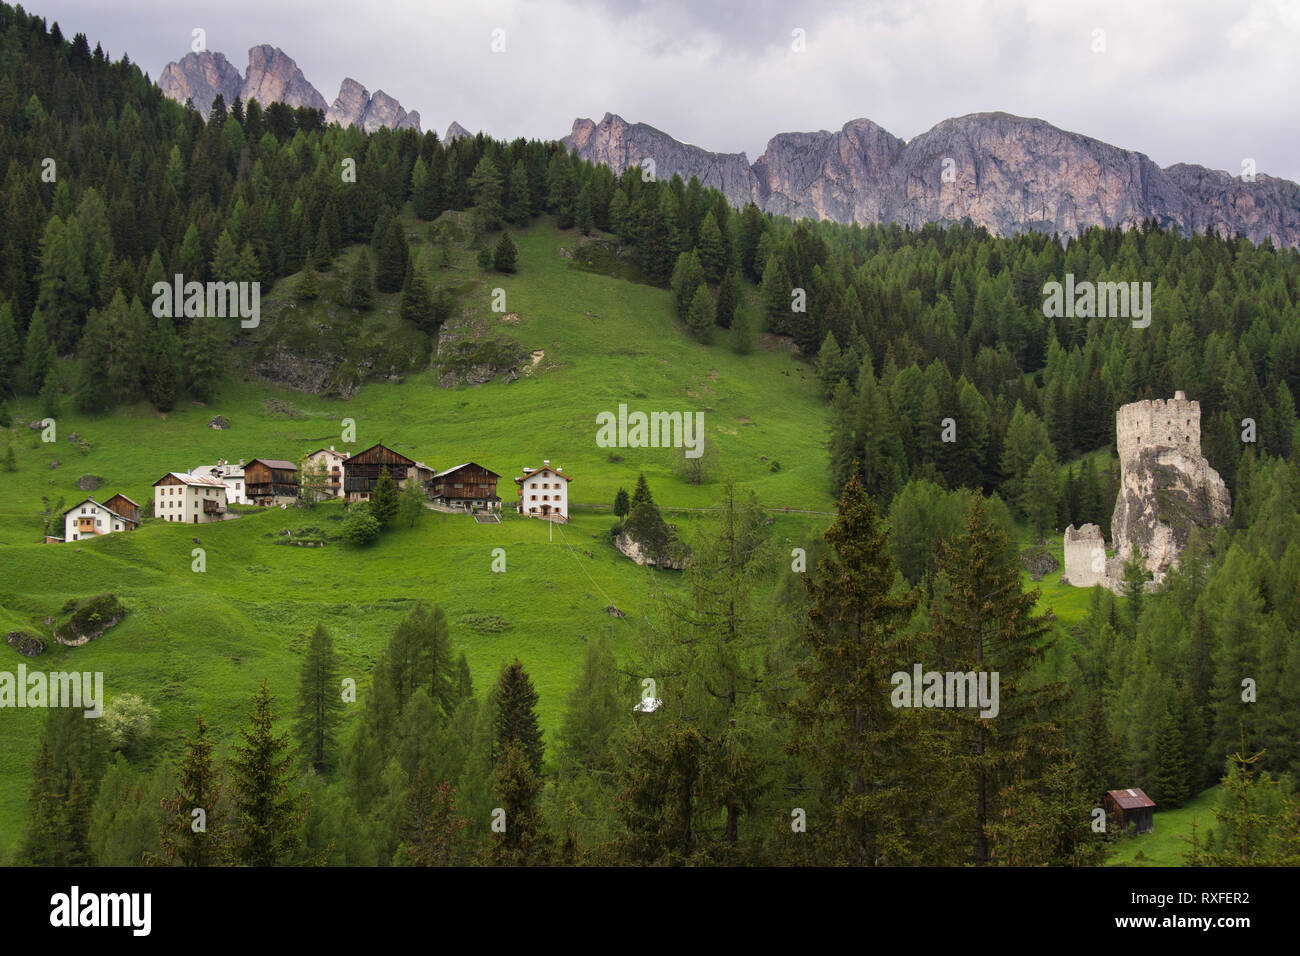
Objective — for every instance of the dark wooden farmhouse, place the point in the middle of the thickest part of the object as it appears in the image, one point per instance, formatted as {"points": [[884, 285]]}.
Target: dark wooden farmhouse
{"points": [[361, 471], [1130, 807], [271, 481], [468, 487], [124, 506]]}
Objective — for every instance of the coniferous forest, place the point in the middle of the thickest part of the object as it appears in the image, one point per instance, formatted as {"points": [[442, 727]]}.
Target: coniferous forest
{"points": [[772, 739]]}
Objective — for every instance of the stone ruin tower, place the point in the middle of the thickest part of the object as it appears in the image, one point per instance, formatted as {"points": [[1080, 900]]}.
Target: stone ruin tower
{"points": [[1167, 488]]}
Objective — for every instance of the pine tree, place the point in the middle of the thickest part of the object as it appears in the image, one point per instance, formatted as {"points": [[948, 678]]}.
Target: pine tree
{"points": [[187, 838], [621, 503], [562, 191], [521, 208], [393, 255], [161, 373], [742, 331], [436, 832], [728, 299], [700, 318], [361, 285], [417, 305], [516, 787], [308, 285], [845, 728], [688, 274], [982, 621], [320, 703], [267, 812], [1170, 784], [10, 352], [383, 499], [206, 351], [1042, 493], [515, 721], [505, 254], [712, 251], [485, 186], [45, 840]]}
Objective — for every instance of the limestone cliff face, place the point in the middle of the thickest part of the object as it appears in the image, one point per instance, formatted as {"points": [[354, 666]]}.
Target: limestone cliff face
{"points": [[199, 77], [273, 77], [619, 144], [454, 132], [354, 106], [1165, 493], [1007, 173]]}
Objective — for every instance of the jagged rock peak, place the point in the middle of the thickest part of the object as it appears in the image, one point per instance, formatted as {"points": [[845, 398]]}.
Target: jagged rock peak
{"points": [[273, 77], [199, 77], [356, 107], [454, 132]]}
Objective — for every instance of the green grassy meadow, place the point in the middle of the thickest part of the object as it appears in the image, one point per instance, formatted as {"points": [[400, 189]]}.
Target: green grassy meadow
{"points": [[204, 641]]}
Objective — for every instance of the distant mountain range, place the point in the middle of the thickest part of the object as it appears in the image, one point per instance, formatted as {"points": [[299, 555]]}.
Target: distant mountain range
{"points": [[273, 77], [1006, 173]]}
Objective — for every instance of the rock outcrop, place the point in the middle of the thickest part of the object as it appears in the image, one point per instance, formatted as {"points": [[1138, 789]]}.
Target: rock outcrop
{"points": [[199, 77], [273, 77], [1007, 173], [1167, 490], [356, 107], [454, 132], [619, 144]]}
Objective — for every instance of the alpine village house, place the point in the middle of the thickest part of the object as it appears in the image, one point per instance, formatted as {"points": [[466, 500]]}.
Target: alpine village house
{"points": [[190, 499], [204, 495], [467, 487], [544, 492], [89, 518]]}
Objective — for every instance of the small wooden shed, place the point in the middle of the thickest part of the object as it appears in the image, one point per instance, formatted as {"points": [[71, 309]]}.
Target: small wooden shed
{"points": [[1130, 807]]}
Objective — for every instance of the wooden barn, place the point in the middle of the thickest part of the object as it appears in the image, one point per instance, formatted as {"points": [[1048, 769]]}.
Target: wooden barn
{"points": [[468, 487], [124, 506], [1130, 807], [271, 481], [361, 471]]}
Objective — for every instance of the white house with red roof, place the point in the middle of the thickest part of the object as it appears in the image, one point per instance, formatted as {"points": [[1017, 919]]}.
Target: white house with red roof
{"points": [[544, 492]]}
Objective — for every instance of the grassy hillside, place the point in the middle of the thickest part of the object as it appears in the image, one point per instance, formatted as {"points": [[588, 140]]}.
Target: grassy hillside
{"points": [[195, 641]]}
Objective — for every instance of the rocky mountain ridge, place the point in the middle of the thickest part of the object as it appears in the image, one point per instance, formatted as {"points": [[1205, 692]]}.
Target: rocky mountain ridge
{"points": [[273, 77], [1006, 173]]}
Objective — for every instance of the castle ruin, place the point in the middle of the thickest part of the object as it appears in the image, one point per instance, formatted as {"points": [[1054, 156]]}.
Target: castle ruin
{"points": [[1167, 488]]}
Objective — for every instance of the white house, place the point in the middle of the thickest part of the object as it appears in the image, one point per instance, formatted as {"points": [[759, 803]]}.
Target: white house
{"points": [[232, 476], [333, 463], [89, 518], [544, 492], [190, 499]]}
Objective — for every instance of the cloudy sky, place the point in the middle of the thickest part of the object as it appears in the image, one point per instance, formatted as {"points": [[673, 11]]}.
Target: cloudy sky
{"points": [[1201, 81]]}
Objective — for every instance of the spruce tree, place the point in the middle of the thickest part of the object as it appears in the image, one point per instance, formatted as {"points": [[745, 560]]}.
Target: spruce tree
{"points": [[621, 503], [361, 284], [516, 788], [846, 730], [393, 255], [728, 299], [320, 703], [485, 186], [383, 498], [521, 208], [308, 285], [505, 254], [45, 839], [516, 718], [983, 621], [700, 317], [742, 331], [1169, 788], [187, 838], [267, 811]]}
